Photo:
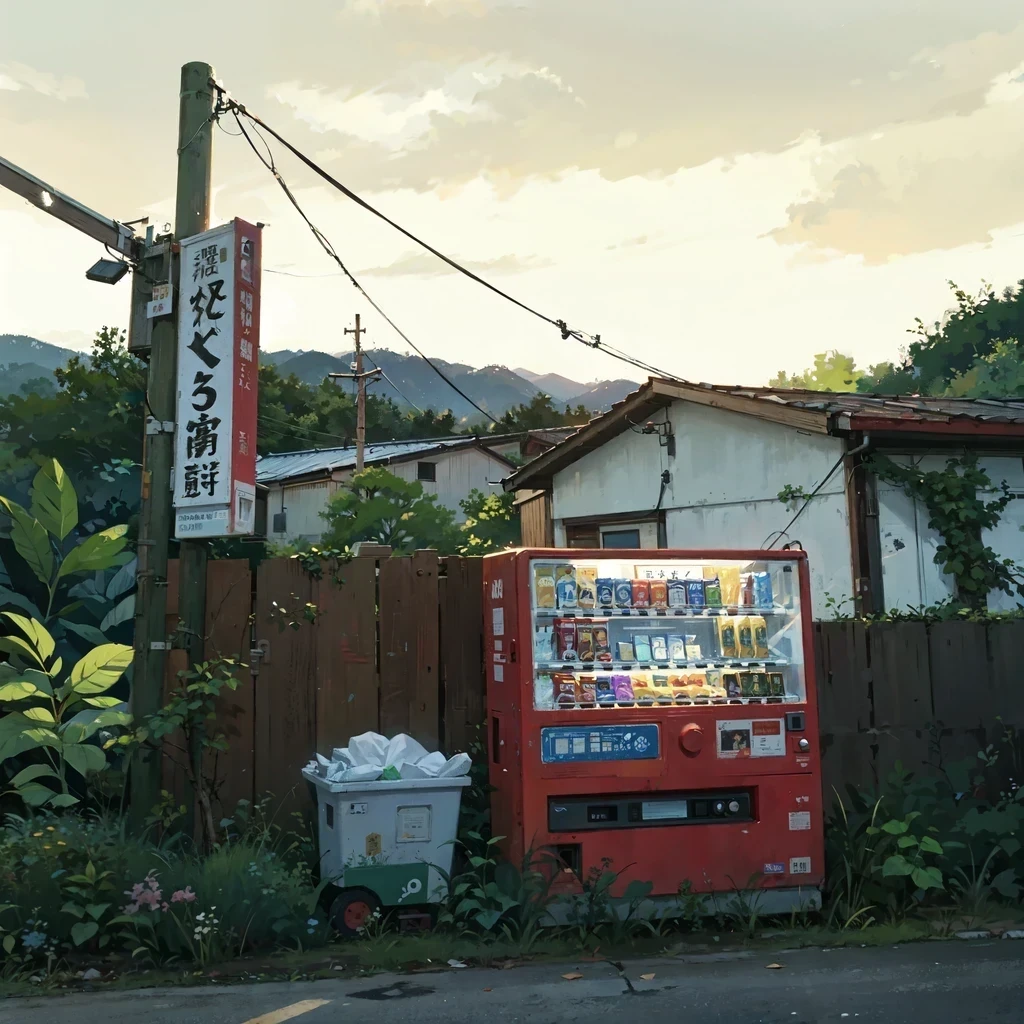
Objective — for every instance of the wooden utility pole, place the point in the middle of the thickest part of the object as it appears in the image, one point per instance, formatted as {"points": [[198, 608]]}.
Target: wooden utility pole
{"points": [[192, 216], [361, 380]]}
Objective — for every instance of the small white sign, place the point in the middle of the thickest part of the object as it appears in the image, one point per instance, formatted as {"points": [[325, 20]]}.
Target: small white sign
{"points": [[799, 821], [499, 673], [161, 304], [800, 865], [498, 621], [413, 825]]}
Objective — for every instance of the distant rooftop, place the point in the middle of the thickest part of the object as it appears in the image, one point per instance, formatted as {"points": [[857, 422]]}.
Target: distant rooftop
{"points": [[324, 461]]}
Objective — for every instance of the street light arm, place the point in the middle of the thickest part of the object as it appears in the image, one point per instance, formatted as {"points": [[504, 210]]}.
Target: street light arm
{"points": [[44, 197]]}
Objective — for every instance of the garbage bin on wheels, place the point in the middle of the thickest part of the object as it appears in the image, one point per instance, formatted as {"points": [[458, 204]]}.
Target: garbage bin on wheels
{"points": [[384, 844]]}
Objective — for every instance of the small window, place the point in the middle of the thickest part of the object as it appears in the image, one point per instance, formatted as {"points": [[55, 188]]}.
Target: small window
{"points": [[426, 471], [620, 539]]}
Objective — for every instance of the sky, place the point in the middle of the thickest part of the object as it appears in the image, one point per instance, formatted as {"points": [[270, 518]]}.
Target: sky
{"points": [[721, 189]]}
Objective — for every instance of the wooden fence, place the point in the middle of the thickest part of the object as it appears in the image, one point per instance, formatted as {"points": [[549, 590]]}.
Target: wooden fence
{"points": [[921, 695], [398, 648]]}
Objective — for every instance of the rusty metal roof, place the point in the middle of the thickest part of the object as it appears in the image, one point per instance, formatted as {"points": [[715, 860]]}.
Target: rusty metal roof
{"points": [[916, 408], [823, 412]]}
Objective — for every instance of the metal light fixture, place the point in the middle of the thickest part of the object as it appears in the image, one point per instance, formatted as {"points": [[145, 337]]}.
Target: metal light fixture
{"points": [[107, 271]]}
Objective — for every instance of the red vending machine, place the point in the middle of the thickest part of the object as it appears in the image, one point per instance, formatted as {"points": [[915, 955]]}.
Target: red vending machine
{"points": [[657, 708]]}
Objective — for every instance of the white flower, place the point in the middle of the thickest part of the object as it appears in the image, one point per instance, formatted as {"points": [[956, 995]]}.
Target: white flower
{"points": [[201, 917]]}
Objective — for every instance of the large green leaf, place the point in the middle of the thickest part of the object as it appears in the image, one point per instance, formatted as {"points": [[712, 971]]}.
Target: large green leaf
{"points": [[31, 540], [40, 714], [54, 502], [11, 599], [20, 650], [85, 758], [100, 669], [35, 794], [88, 723], [927, 878], [35, 632], [897, 865], [18, 734], [123, 580], [26, 684], [86, 631], [33, 772], [95, 552], [83, 931], [122, 612]]}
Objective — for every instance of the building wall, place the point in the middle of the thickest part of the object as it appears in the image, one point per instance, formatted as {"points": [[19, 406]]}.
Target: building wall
{"points": [[726, 476], [910, 576], [303, 504], [457, 474]]}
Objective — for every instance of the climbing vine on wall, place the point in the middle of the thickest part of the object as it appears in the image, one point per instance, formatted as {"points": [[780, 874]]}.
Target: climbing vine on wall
{"points": [[959, 511]]}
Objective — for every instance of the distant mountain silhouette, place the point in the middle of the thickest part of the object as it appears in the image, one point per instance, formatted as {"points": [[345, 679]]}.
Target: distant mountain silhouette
{"points": [[410, 382]]}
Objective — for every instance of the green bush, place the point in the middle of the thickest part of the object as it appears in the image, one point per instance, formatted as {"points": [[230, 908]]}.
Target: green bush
{"points": [[949, 840], [78, 884]]}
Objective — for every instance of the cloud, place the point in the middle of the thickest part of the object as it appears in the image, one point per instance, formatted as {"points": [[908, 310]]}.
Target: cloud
{"points": [[673, 86], [16, 77], [921, 186], [423, 264], [397, 118]]}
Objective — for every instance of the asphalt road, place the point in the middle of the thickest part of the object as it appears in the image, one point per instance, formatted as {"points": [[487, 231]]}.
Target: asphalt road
{"points": [[931, 982]]}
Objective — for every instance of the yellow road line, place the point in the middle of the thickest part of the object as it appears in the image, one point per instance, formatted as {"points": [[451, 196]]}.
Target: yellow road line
{"points": [[288, 1012]]}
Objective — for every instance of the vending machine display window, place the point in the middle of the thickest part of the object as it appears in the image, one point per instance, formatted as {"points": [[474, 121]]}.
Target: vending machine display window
{"points": [[616, 633]]}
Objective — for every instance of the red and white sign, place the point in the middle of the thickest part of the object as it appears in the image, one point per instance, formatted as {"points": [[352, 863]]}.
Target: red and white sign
{"points": [[218, 360]]}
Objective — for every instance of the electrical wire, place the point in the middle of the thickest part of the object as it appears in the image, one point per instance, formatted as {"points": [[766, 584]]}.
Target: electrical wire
{"points": [[376, 366], [779, 534], [330, 250], [590, 340]]}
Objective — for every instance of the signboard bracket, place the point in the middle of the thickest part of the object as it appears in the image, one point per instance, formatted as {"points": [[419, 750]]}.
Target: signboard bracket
{"points": [[155, 426]]}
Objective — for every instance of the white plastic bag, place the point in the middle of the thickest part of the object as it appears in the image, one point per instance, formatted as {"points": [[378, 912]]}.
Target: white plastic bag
{"points": [[403, 749], [368, 748], [456, 766]]}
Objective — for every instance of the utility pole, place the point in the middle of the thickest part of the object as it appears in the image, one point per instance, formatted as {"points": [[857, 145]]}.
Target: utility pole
{"points": [[192, 216], [361, 380]]}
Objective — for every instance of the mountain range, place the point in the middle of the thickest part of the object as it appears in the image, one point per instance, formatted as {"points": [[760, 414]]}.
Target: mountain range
{"points": [[407, 379]]}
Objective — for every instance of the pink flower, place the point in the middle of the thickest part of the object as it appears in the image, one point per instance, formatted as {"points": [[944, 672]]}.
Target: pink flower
{"points": [[185, 895]]}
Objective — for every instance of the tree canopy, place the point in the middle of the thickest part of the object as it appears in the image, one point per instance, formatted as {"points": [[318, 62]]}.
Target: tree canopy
{"points": [[975, 351]]}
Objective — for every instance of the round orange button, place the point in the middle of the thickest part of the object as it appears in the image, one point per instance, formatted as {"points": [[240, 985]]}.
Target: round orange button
{"points": [[691, 739]]}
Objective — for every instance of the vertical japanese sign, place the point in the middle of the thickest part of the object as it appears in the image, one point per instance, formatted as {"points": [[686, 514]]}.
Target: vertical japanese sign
{"points": [[218, 357]]}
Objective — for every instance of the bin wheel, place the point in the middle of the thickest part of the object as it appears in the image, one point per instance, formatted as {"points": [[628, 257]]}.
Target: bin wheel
{"points": [[350, 911]]}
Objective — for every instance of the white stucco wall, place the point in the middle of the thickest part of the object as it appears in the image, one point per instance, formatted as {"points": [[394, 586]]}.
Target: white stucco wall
{"points": [[726, 475], [909, 573]]}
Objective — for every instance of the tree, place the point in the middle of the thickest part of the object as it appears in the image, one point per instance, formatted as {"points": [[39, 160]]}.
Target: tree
{"points": [[380, 507], [92, 420], [492, 523], [832, 371], [540, 413]]}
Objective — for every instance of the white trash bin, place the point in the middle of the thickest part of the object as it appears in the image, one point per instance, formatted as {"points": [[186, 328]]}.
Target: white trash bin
{"points": [[382, 843]]}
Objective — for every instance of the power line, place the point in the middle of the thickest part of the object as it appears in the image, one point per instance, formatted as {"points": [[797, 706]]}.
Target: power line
{"points": [[330, 250], [779, 534], [590, 340], [376, 366]]}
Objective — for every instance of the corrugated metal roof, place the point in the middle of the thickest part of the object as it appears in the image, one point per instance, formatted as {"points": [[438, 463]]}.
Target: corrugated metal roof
{"points": [[896, 407], [289, 465]]}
